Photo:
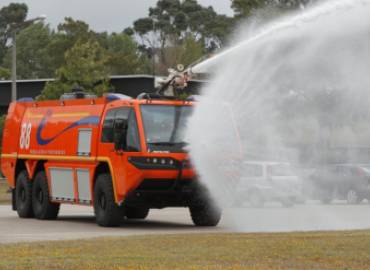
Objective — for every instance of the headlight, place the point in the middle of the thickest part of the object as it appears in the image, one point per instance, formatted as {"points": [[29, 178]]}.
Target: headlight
{"points": [[155, 163]]}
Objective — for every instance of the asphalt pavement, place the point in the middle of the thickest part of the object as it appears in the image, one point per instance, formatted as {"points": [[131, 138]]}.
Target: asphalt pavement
{"points": [[76, 222]]}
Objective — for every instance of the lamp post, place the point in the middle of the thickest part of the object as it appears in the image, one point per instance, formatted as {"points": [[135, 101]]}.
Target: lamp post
{"points": [[14, 27]]}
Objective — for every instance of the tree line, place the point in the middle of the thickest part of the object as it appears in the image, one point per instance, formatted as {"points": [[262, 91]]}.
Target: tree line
{"points": [[174, 32]]}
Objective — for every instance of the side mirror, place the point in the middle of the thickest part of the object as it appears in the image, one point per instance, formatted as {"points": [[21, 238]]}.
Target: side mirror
{"points": [[120, 138], [117, 145]]}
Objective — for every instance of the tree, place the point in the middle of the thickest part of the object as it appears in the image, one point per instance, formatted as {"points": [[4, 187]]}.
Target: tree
{"points": [[124, 56], [4, 73], [13, 13], [33, 58], [187, 53], [245, 8], [85, 66], [171, 22], [66, 36], [2, 122]]}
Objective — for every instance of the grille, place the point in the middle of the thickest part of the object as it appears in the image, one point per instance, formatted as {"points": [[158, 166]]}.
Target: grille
{"points": [[163, 184]]}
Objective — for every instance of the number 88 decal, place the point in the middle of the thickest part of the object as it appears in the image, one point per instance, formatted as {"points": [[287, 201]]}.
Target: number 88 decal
{"points": [[24, 142]]}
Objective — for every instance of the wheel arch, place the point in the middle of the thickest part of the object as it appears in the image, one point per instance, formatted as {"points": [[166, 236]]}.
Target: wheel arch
{"points": [[33, 167], [104, 167], [19, 167]]}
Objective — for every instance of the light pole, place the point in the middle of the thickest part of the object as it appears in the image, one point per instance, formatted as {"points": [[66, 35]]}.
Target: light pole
{"points": [[14, 27]]}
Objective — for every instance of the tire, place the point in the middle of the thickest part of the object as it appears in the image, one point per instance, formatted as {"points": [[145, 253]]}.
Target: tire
{"points": [[352, 197], [107, 212], [43, 208], [136, 212], [326, 197], [287, 203], [326, 200], [23, 196], [256, 200], [206, 214]]}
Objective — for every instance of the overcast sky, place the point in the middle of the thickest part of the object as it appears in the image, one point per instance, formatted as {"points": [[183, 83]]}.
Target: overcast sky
{"points": [[102, 15]]}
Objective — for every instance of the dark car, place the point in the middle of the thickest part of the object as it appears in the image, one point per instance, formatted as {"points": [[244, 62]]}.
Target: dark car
{"points": [[349, 182]]}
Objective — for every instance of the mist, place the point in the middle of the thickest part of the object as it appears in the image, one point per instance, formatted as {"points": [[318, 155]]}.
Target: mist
{"points": [[291, 96]]}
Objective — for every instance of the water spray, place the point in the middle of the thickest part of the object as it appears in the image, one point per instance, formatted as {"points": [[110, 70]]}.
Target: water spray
{"points": [[298, 90]]}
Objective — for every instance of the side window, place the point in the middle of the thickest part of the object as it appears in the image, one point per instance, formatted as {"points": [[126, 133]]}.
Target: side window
{"points": [[120, 127], [107, 133], [133, 142]]}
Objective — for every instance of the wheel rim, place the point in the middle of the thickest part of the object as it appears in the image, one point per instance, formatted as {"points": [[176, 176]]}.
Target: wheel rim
{"points": [[352, 196]]}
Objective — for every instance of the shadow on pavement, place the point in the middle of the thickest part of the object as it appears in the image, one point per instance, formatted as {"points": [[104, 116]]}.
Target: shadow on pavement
{"points": [[130, 224]]}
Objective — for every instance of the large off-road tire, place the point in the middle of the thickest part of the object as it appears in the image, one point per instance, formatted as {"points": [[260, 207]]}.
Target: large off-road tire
{"points": [[23, 195], [43, 208], [206, 214], [136, 212], [107, 212]]}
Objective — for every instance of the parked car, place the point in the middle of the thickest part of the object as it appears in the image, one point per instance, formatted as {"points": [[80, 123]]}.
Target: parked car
{"points": [[264, 181], [350, 182]]}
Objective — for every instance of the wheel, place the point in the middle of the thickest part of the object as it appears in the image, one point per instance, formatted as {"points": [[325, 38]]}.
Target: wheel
{"points": [[256, 200], [43, 208], [326, 197], [326, 200], [107, 212], [287, 203], [301, 200], [206, 214], [352, 197], [23, 196], [136, 212]]}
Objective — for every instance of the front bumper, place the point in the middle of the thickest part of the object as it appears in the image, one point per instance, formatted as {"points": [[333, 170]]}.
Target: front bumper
{"points": [[161, 193]]}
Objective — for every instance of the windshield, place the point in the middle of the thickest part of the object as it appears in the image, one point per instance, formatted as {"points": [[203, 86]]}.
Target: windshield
{"points": [[165, 126]]}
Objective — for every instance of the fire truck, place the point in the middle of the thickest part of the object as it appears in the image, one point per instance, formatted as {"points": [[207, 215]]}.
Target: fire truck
{"points": [[123, 156]]}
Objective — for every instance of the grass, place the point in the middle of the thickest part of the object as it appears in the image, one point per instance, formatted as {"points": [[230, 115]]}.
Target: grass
{"points": [[5, 197], [334, 250]]}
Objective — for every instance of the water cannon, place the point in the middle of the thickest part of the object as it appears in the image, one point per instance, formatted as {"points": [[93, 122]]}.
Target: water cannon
{"points": [[174, 84]]}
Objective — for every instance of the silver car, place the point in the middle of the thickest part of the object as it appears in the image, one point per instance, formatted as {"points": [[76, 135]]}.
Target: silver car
{"points": [[265, 181]]}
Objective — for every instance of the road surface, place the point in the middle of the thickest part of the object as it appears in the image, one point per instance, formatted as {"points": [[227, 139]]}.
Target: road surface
{"points": [[77, 222]]}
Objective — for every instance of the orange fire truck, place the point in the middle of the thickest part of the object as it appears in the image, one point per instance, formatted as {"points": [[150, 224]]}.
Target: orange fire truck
{"points": [[122, 156]]}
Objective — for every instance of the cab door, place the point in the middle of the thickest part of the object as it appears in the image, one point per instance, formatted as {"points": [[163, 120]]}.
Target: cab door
{"points": [[120, 140]]}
